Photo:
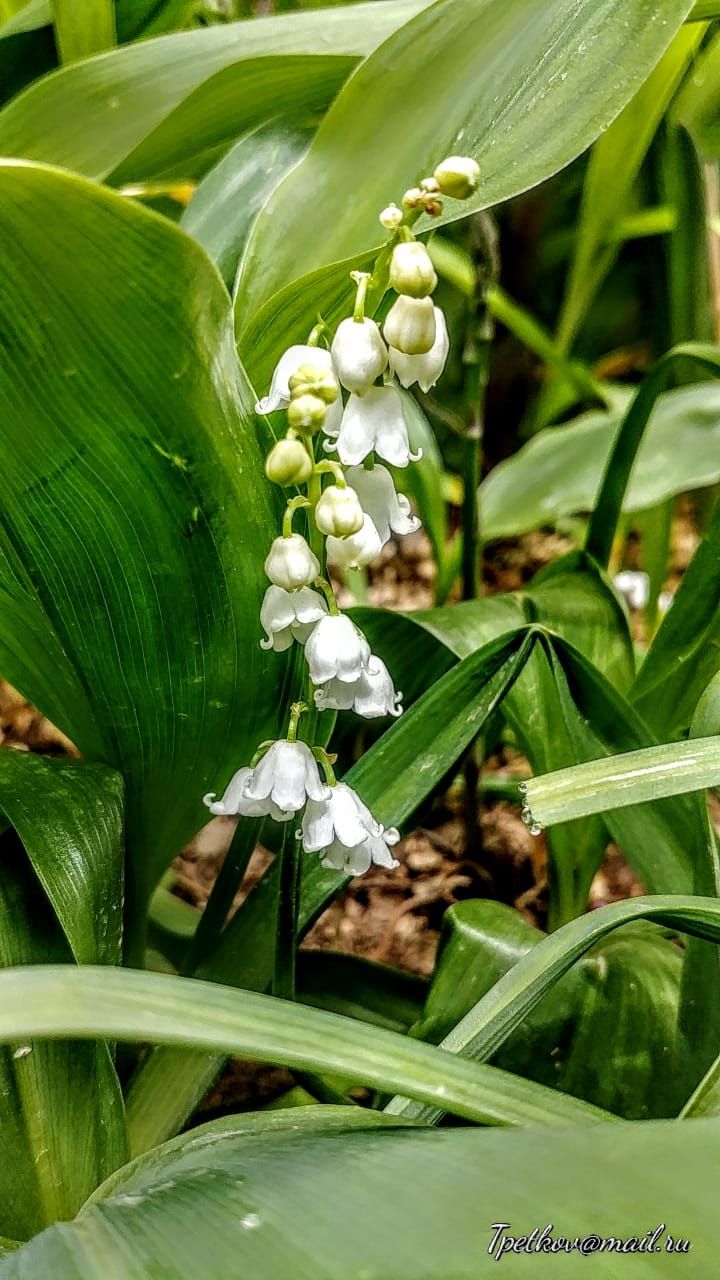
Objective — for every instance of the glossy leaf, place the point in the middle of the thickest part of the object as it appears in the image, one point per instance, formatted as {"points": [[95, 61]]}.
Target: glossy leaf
{"points": [[137, 111], [134, 516], [521, 89], [128, 1004], [61, 1112], [488, 1024], [227, 200], [275, 1195], [604, 1032], [559, 472]]}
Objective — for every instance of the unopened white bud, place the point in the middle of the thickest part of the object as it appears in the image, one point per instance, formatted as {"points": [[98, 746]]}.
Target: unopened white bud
{"points": [[458, 176], [413, 198], [288, 462], [306, 413], [410, 325], [391, 217], [430, 185], [291, 564], [313, 380], [338, 512], [411, 270], [359, 354]]}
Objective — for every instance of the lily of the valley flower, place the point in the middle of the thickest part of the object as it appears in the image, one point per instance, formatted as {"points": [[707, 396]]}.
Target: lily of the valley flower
{"points": [[388, 510], [410, 325], [371, 695], [359, 859], [374, 421], [289, 615], [234, 801], [342, 817], [359, 354], [338, 512], [286, 777], [336, 649], [291, 564], [288, 364], [423, 369], [357, 550]]}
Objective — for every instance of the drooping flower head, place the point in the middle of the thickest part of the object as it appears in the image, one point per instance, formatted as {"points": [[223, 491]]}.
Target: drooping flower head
{"points": [[388, 510], [336, 649], [289, 615], [286, 776], [376, 422]]}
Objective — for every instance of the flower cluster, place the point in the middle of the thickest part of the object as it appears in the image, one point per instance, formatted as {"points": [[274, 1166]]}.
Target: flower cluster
{"points": [[351, 508]]}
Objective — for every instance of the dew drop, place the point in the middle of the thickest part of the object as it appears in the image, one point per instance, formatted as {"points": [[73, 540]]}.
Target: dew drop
{"points": [[250, 1221], [22, 1051]]}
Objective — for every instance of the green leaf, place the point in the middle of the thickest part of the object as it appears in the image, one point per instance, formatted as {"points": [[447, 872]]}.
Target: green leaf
{"points": [[134, 515], [488, 1024], [127, 1004], [521, 90], [137, 111], [603, 1032], [696, 106], [685, 652], [83, 27], [227, 200], [621, 461], [360, 988], [672, 769], [559, 471], [613, 169], [266, 1204], [61, 1112]]}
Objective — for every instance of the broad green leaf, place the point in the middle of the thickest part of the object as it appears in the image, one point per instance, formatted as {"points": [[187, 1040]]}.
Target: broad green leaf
{"points": [[685, 654], [688, 244], [522, 89], [488, 1024], [134, 516], [138, 110], [83, 27], [629, 437], [559, 471], [128, 1004], [613, 168], [266, 1205], [61, 1113], [360, 988], [227, 200], [696, 106], [70, 820], [672, 769], [604, 1032]]}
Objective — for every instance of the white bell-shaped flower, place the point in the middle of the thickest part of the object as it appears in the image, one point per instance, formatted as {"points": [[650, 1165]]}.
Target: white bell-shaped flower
{"points": [[338, 512], [424, 369], [289, 615], [234, 801], [388, 510], [358, 860], [286, 777], [291, 564], [359, 354], [410, 325], [357, 550], [374, 421], [343, 817], [336, 650], [288, 364], [634, 586], [372, 695]]}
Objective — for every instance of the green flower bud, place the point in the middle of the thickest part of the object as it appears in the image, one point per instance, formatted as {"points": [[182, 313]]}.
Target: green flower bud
{"points": [[306, 414], [457, 176], [314, 381], [411, 271], [338, 512], [288, 462], [410, 326]]}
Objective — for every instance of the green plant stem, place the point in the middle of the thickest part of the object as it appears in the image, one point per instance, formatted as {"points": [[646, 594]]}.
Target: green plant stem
{"points": [[229, 878], [283, 984]]}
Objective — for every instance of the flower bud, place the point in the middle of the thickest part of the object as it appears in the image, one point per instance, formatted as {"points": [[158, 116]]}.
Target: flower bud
{"points": [[291, 564], [306, 414], [413, 198], [457, 176], [391, 217], [338, 512], [359, 354], [411, 271], [410, 325], [288, 462], [312, 380]]}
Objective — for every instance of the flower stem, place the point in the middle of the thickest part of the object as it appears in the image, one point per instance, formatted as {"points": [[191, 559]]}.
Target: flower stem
{"points": [[362, 280], [329, 595], [295, 504], [283, 984], [328, 467], [229, 878], [297, 709]]}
